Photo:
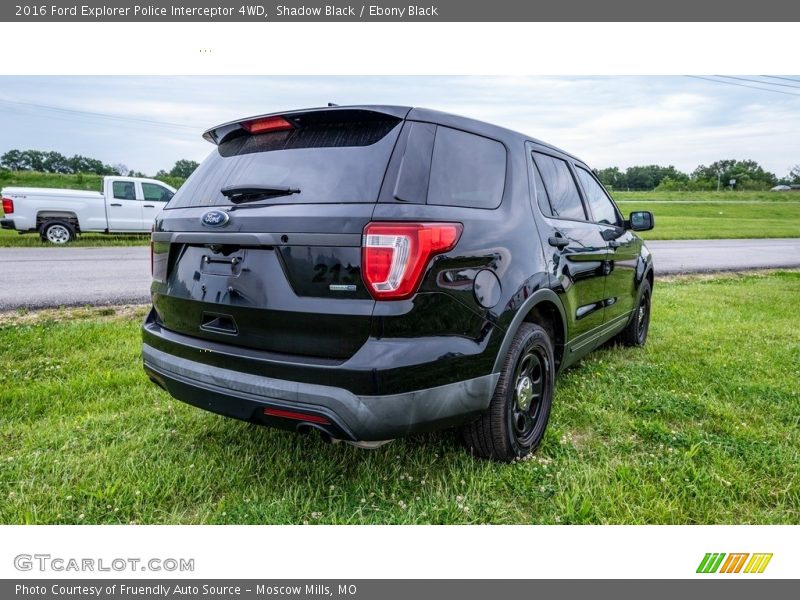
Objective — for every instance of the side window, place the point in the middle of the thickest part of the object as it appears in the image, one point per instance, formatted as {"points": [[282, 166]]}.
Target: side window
{"points": [[156, 193], [565, 200], [466, 170], [124, 190], [412, 178], [602, 207], [541, 193]]}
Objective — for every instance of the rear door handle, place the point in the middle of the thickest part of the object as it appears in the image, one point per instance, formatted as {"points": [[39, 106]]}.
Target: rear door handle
{"points": [[558, 242], [115, 204], [149, 205]]}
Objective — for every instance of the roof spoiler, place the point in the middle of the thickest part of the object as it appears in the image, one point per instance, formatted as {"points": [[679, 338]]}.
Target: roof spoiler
{"points": [[300, 118]]}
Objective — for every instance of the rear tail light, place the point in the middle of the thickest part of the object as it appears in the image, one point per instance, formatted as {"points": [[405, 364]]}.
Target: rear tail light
{"points": [[267, 124], [8, 206], [394, 256]]}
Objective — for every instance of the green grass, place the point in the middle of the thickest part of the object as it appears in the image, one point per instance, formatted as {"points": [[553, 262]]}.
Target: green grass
{"points": [[12, 239], [723, 196], [84, 181], [716, 215], [701, 426], [719, 220], [80, 181]]}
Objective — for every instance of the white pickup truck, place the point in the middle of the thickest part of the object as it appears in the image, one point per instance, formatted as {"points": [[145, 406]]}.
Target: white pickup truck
{"points": [[126, 205]]}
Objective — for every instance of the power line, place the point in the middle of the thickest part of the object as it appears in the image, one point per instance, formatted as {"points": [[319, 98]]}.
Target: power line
{"points": [[752, 87], [783, 78], [759, 81], [99, 115]]}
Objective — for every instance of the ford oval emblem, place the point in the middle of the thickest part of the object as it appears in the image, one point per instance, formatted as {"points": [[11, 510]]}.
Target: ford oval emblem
{"points": [[215, 218]]}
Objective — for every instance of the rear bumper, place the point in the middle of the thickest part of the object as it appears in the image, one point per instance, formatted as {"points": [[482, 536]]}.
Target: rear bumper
{"points": [[7, 224], [342, 414]]}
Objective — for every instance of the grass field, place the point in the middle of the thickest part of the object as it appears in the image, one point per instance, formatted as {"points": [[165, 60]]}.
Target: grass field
{"points": [[12, 239], [701, 426], [723, 196], [82, 181], [719, 220]]}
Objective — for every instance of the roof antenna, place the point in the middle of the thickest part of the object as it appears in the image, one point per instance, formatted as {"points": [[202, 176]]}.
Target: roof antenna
{"points": [[332, 104]]}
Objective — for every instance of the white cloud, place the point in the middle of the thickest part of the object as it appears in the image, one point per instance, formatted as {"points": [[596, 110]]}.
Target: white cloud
{"points": [[607, 121]]}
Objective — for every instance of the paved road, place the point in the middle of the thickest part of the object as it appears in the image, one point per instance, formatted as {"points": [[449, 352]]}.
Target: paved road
{"points": [[705, 256], [41, 277]]}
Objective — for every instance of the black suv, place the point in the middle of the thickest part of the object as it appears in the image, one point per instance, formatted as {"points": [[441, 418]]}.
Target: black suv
{"points": [[375, 271]]}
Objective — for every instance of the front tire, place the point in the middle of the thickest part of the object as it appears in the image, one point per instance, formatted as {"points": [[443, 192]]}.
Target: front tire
{"points": [[57, 232], [515, 422]]}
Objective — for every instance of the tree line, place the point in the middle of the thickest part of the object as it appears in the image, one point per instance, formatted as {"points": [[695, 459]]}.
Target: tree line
{"points": [[45, 161], [747, 174]]}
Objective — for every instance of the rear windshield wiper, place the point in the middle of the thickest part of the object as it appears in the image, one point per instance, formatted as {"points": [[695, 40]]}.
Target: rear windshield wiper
{"points": [[250, 193]]}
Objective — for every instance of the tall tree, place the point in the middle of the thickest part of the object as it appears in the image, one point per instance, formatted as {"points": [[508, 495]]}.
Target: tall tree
{"points": [[747, 173], [647, 177], [12, 160], [53, 162], [183, 168], [612, 177]]}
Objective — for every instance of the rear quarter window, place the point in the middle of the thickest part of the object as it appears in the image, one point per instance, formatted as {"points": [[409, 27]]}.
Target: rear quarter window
{"points": [[466, 170]]}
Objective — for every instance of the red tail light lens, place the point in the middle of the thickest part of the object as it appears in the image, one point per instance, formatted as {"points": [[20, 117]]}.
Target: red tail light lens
{"points": [[394, 256], [267, 124], [8, 206]]}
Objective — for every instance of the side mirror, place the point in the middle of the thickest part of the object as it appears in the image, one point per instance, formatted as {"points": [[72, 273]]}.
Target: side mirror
{"points": [[641, 220]]}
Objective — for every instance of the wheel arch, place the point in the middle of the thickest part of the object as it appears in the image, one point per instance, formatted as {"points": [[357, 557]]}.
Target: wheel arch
{"points": [[544, 308], [57, 215]]}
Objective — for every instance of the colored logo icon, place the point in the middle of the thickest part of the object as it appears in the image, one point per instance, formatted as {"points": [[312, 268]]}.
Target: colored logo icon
{"points": [[719, 562]]}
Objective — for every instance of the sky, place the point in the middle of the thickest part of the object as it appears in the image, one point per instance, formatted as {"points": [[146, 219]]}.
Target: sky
{"points": [[148, 123]]}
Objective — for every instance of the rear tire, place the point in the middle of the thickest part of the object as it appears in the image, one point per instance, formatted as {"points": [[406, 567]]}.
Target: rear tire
{"points": [[635, 333], [515, 422], [57, 232]]}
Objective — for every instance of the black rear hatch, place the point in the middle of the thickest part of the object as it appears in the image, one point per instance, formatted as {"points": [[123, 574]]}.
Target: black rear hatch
{"points": [[261, 247]]}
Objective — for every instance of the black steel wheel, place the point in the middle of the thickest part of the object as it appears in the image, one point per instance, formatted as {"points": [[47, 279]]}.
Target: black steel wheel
{"points": [[516, 419]]}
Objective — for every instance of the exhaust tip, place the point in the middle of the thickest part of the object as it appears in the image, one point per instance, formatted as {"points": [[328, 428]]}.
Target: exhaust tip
{"points": [[370, 445], [306, 428]]}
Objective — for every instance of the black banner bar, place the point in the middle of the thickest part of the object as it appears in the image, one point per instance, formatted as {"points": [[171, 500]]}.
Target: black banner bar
{"points": [[713, 586], [401, 10]]}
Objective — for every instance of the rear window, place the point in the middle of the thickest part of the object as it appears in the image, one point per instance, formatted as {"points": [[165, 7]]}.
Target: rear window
{"points": [[332, 161], [466, 170]]}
